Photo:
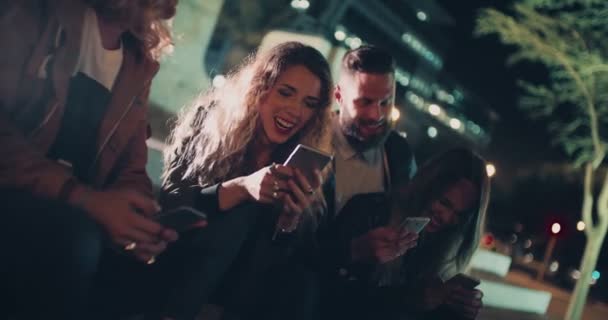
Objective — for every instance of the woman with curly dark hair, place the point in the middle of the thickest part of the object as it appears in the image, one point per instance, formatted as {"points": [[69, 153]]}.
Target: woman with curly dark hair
{"points": [[220, 160]]}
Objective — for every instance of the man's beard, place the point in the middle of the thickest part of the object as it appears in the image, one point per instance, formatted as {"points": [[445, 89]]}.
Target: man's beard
{"points": [[350, 128]]}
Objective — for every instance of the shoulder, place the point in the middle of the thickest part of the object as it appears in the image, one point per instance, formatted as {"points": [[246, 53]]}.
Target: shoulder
{"points": [[397, 148], [365, 203], [396, 140]]}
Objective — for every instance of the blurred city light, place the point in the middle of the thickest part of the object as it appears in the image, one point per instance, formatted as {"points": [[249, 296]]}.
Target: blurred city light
{"points": [[434, 109], [528, 257], [432, 132], [455, 123], [527, 244], [300, 4], [575, 274], [556, 228], [355, 43], [488, 240], [395, 114], [580, 226], [421, 15], [219, 81], [554, 266], [490, 170], [595, 275], [340, 35], [422, 50], [403, 134]]}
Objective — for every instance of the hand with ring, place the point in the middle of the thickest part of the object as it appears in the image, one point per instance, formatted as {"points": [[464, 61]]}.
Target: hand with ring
{"points": [[300, 197], [268, 185]]}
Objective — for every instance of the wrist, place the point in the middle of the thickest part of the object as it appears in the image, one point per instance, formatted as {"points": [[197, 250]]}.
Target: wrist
{"points": [[238, 188], [231, 193], [79, 196]]}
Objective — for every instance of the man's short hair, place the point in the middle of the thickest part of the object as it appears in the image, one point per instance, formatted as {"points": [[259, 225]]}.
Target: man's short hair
{"points": [[368, 59]]}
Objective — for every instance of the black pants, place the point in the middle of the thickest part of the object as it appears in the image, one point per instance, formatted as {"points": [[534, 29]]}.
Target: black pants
{"points": [[55, 264], [249, 274]]}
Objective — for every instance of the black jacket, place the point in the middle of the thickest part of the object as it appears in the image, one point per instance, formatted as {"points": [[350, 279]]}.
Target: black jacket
{"points": [[335, 252]]}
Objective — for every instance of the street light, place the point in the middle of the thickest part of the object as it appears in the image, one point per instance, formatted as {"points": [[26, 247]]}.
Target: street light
{"points": [[431, 132], [580, 226], [395, 114], [556, 228], [490, 169]]}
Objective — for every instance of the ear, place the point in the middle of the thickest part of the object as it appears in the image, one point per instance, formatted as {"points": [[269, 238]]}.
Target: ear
{"points": [[338, 94]]}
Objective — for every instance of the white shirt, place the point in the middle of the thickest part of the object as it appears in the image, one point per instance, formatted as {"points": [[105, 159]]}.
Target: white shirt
{"points": [[95, 61], [356, 172]]}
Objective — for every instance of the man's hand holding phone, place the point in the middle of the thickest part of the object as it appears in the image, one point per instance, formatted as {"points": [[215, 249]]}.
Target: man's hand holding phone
{"points": [[463, 297], [126, 216], [382, 244]]}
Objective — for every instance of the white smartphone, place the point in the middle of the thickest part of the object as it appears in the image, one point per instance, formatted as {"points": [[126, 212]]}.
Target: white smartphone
{"points": [[415, 224], [308, 159]]}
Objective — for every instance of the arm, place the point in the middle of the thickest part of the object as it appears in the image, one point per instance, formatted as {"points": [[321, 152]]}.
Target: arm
{"points": [[131, 173], [22, 165]]}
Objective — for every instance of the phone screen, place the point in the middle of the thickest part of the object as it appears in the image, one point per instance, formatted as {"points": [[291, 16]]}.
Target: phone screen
{"points": [[181, 218], [415, 224], [308, 160]]}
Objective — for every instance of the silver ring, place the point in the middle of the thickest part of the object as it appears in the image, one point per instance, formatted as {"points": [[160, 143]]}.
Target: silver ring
{"points": [[131, 246]]}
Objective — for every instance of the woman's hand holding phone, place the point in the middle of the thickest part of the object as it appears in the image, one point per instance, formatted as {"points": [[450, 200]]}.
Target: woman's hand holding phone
{"points": [[463, 298], [298, 198], [382, 244]]}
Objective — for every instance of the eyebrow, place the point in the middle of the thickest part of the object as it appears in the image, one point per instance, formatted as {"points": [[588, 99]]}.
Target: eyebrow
{"points": [[364, 98], [289, 87], [316, 99]]}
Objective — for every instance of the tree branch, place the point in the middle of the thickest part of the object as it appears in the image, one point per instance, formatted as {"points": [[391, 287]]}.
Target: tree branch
{"points": [[588, 200]]}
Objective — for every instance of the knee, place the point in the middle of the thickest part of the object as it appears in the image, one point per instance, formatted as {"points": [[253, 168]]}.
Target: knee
{"points": [[78, 241]]}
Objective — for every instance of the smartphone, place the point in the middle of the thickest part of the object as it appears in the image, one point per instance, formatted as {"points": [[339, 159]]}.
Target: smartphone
{"points": [[308, 159], [181, 219], [415, 224], [465, 281]]}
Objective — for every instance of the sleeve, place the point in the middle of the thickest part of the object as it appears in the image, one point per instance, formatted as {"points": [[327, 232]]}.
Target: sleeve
{"points": [[22, 165], [132, 165], [177, 192]]}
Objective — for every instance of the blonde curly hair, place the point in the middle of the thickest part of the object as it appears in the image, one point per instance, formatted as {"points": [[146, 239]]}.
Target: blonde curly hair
{"points": [[148, 22], [212, 138]]}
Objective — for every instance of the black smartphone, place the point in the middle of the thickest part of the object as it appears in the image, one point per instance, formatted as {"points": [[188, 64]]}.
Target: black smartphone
{"points": [[465, 281], [181, 218], [308, 159]]}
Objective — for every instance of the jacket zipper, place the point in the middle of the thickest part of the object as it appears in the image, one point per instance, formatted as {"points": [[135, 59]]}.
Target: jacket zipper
{"points": [[114, 128], [45, 120]]}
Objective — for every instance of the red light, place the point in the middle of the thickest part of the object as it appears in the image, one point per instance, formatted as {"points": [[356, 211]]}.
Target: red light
{"points": [[488, 240]]}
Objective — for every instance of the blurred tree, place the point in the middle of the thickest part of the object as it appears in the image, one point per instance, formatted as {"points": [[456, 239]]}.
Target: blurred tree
{"points": [[568, 37]]}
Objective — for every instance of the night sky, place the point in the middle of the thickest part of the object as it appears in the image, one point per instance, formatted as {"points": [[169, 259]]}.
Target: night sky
{"points": [[479, 63], [517, 142]]}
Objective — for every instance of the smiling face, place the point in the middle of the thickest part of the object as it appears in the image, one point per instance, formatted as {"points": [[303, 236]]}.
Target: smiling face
{"points": [[448, 209], [366, 100], [289, 104]]}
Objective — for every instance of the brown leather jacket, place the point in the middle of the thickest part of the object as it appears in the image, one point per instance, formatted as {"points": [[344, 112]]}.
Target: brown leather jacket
{"points": [[31, 31]]}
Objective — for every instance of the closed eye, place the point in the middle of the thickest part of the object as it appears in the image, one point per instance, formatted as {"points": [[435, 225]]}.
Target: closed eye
{"points": [[446, 203], [285, 92], [312, 102]]}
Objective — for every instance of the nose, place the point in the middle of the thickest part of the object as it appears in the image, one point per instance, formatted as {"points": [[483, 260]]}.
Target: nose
{"points": [[294, 109], [374, 113]]}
